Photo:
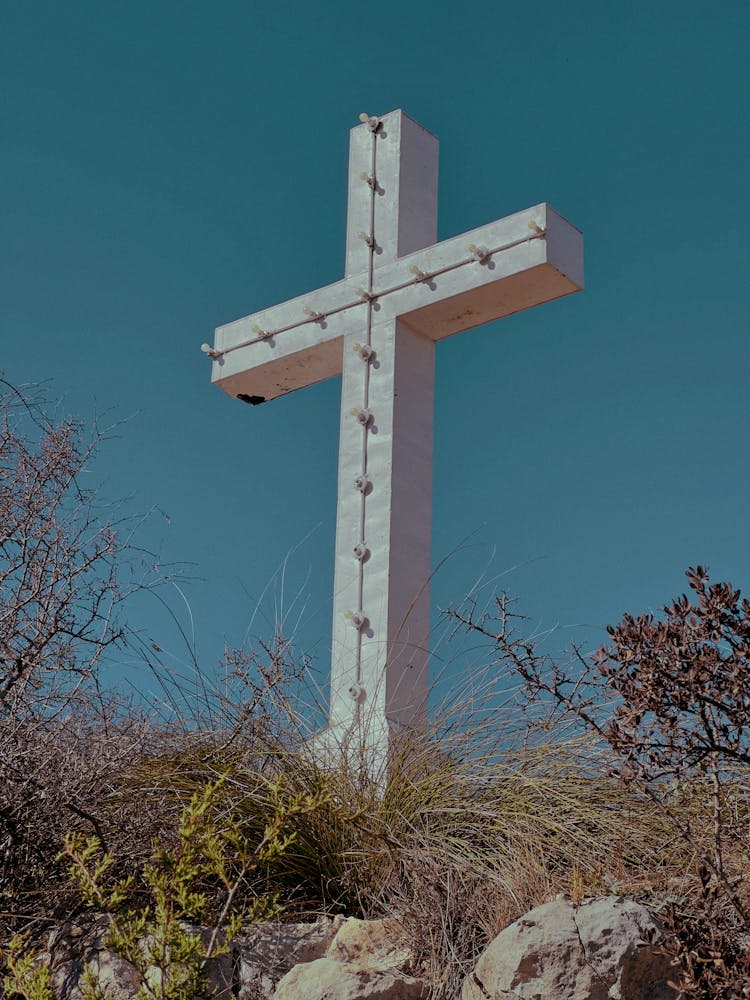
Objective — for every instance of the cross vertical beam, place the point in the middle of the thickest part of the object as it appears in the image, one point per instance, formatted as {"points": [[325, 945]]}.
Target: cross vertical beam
{"points": [[402, 207], [381, 607], [381, 666]]}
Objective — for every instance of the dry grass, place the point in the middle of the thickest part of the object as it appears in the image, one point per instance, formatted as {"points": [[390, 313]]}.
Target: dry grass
{"points": [[472, 824]]}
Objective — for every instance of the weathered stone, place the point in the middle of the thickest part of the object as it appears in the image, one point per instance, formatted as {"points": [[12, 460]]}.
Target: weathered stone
{"points": [[266, 952], [78, 946], [219, 969], [80, 949], [372, 944], [327, 979], [595, 951]]}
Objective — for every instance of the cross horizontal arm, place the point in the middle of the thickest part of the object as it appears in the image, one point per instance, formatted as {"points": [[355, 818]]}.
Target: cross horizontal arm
{"points": [[288, 346], [482, 275], [520, 261]]}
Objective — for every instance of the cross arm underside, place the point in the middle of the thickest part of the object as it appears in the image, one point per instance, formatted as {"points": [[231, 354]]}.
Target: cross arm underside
{"points": [[483, 275], [518, 262], [289, 346]]}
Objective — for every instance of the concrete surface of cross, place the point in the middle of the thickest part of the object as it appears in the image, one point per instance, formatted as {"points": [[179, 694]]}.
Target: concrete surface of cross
{"points": [[402, 293]]}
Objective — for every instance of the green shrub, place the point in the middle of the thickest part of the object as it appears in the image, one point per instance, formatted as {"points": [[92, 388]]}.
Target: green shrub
{"points": [[159, 937]]}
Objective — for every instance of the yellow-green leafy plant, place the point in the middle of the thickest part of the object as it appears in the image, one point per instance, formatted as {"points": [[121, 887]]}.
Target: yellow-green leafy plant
{"points": [[160, 939], [27, 977]]}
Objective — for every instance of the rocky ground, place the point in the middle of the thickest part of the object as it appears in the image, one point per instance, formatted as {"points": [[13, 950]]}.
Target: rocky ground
{"points": [[600, 949]]}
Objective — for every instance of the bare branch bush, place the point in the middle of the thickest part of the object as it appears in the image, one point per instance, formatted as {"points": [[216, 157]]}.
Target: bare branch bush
{"points": [[58, 777], [67, 569], [670, 699]]}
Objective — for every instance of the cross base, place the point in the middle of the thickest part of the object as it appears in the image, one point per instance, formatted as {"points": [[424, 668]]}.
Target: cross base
{"points": [[363, 749]]}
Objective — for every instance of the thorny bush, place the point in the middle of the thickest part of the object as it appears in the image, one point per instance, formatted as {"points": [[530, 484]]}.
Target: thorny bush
{"points": [[670, 697], [61, 559]]}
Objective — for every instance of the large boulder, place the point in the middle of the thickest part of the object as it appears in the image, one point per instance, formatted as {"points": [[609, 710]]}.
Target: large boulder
{"points": [[598, 950], [366, 960], [327, 979], [372, 944], [339, 959], [266, 952]]}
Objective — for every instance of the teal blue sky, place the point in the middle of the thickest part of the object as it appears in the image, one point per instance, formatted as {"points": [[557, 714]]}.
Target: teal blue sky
{"points": [[168, 167]]}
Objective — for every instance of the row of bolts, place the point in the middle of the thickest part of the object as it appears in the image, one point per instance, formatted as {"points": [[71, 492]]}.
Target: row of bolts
{"points": [[363, 415]]}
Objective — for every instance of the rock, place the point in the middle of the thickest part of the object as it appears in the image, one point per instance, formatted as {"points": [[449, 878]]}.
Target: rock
{"points": [[372, 944], [266, 952], [78, 948], [365, 960], [219, 970], [327, 979], [594, 951]]}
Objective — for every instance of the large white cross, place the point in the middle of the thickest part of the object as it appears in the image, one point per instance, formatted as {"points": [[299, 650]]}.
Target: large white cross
{"points": [[401, 293]]}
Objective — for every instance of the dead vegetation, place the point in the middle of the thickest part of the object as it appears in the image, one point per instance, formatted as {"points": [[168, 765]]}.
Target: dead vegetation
{"points": [[624, 773], [669, 699]]}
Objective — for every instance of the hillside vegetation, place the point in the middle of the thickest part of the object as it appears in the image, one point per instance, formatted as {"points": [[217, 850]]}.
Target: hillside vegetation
{"points": [[622, 772]]}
